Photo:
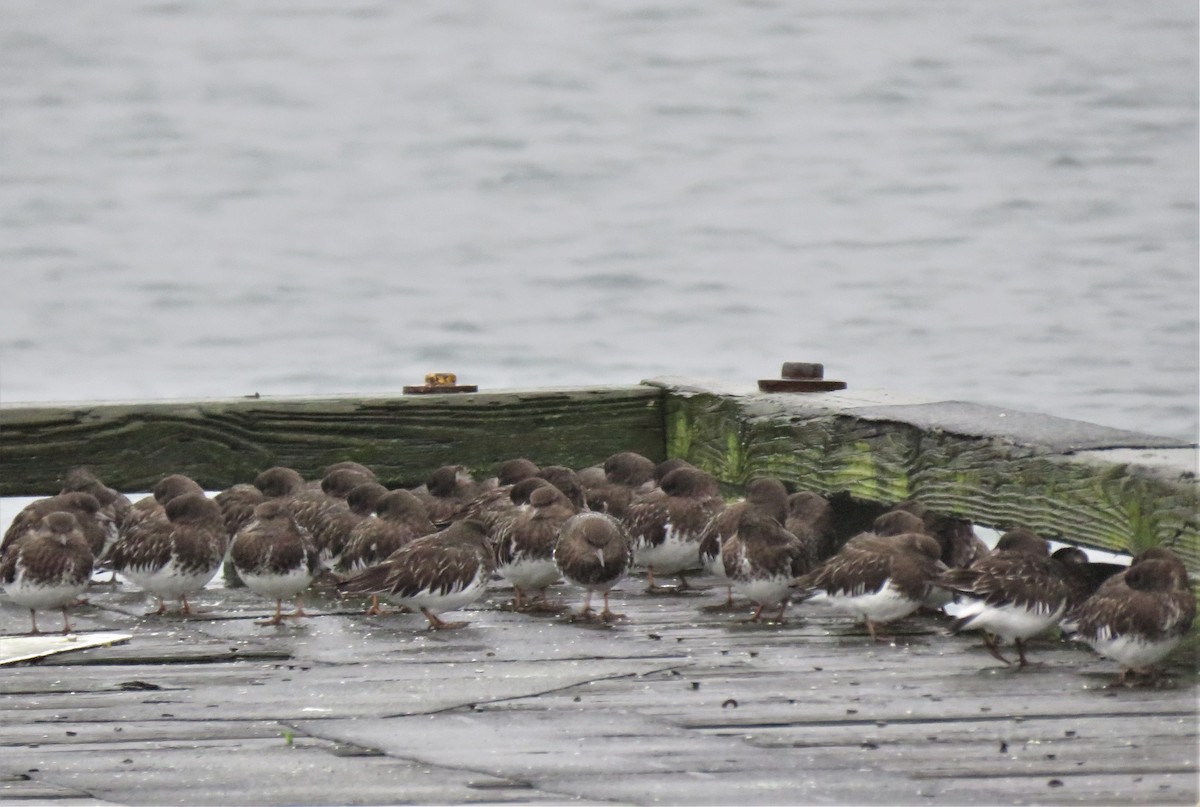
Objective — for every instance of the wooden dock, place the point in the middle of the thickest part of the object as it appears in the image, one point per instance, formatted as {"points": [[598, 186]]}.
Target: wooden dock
{"points": [[1073, 481], [675, 704]]}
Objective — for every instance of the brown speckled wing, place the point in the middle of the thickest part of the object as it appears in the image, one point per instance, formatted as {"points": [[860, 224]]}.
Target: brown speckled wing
{"points": [[1014, 578], [850, 572], [434, 565], [1123, 611], [646, 520], [45, 558]]}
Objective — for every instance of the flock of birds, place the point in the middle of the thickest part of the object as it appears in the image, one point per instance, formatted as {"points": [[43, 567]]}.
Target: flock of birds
{"points": [[436, 548]]}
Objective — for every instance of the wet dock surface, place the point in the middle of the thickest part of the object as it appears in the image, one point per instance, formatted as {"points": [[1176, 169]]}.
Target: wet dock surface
{"points": [[676, 703]]}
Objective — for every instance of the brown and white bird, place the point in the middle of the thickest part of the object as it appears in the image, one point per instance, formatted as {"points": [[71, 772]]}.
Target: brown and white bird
{"points": [[878, 579], [114, 505], [765, 495], [1138, 616], [566, 480], [525, 544], [400, 518], [761, 560], [1015, 592], [96, 527], [808, 512], [447, 492], [445, 571], [960, 545], [177, 555], [275, 557], [495, 494], [593, 551], [47, 566], [153, 506], [623, 474], [666, 528]]}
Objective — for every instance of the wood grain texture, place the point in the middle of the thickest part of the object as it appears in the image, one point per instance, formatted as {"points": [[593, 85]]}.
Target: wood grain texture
{"points": [[221, 442], [674, 704], [885, 454]]}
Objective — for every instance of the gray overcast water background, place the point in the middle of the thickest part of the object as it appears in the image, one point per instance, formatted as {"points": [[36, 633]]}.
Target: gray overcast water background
{"points": [[993, 202]]}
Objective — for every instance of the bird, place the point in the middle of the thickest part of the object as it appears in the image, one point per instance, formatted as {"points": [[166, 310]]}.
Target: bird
{"points": [[1015, 592], [1082, 575], [114, 505], [620, 478], [400, 518], [764, 494], [445, 571], [96, 527], [960, 545], [48, 566], [525, 543], [878, 578], [177, 555], [322, 509], [496, 494], [665, 529], [1139, 615], [447, 492], [152, 506], [275, 557], [810, 512], [566, 480], [761, 559], [237, 503], [593, 551]]}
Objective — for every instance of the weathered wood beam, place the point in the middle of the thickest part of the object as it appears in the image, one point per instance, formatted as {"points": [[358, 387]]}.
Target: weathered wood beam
{"points": [[219, 442], [1066, 479]]}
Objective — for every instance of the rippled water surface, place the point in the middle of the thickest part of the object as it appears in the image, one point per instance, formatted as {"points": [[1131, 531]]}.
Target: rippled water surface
{"points": [[990, 202]]}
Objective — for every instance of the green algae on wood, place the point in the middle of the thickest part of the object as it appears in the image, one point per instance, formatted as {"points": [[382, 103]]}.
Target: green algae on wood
{"points": [[1072, 481], [220, 442]]}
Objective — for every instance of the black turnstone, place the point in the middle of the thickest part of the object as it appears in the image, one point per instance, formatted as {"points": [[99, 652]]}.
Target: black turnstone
{"points": [[878, 579], [328, 513], [811, 513], [447, 492], [237, 503], [48, 566], [275, 557], [400, 518], [566, 480], [1139, 615], [1015, 592], [593, 551], [279, 481], [114, 505], [665, 529], [177, 555], [766, 495], [960, 545], [525, 544], [445, 571], [621, 476], [96, 527], [761, 560], [152, 507]]}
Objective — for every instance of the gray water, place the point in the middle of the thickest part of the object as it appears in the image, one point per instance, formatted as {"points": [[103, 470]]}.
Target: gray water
{"points": [[993, 202]]}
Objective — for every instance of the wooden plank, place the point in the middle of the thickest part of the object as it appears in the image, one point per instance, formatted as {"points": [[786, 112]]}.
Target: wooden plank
{"points": [[518, 707], [221, 442], [1069, 480]]}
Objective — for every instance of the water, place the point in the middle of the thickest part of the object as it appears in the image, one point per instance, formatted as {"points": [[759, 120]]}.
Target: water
{"points": [[987, 202]]}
